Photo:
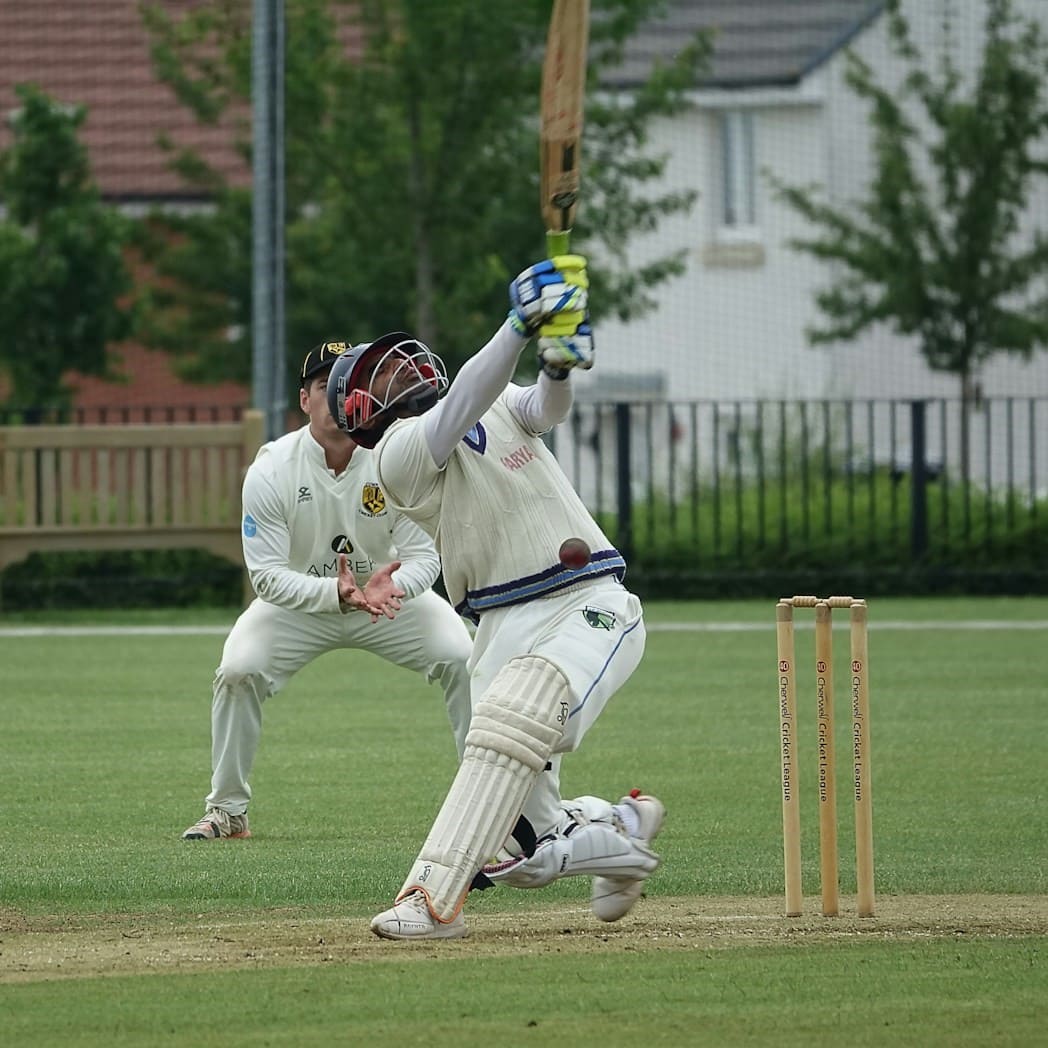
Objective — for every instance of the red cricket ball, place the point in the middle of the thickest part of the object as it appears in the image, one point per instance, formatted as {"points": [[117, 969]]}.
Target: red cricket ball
{"points": [[574, 554]]}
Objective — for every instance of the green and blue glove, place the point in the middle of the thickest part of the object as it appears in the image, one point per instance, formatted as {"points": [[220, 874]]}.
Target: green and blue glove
{"points": [[559, 354], [549, 298]]}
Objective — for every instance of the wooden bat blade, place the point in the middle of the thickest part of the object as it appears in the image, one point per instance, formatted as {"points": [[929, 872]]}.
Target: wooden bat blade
{"points": [[560, 134]]}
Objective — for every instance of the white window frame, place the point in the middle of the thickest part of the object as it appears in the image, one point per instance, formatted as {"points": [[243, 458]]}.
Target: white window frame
{"points": [[737, 206]]}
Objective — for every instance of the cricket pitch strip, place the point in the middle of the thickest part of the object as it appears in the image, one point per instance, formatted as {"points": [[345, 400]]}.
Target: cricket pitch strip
{"points": [[43, 948]]}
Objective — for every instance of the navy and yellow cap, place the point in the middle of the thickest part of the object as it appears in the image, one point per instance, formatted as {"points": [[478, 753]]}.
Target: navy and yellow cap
{"points": [[321, 357]]}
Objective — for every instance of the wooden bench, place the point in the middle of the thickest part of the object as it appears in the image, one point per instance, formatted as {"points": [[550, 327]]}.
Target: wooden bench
{"points": [[124, 487]]}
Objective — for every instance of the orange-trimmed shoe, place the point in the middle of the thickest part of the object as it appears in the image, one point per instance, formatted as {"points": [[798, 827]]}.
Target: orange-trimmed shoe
{"points": [[217, 825], [410, 919]]}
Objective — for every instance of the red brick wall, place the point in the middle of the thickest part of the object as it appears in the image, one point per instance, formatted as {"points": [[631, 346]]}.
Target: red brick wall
{"points": [[154, 393]]}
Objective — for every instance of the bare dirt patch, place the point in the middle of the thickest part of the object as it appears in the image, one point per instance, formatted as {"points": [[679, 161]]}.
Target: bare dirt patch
{"points": [[44, 948]]}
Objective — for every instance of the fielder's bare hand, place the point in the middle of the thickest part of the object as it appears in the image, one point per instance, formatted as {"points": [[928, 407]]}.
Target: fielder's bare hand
{"points": [[382, 592], [350, 596]]}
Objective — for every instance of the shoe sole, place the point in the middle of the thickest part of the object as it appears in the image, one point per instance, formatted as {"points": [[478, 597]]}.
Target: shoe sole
{"points": [[205, 837], [383, 934], [626, 893]]}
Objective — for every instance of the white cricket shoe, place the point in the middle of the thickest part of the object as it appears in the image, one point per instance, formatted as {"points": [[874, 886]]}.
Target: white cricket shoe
{"points": [[614, 897], [410, 919]]}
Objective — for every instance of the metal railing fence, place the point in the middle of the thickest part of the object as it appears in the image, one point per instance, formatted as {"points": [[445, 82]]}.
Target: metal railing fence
{"points": [[861, 487]]}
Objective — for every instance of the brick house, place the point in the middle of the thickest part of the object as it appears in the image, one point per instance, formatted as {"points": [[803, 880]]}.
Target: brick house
{"points": [[96, 53]]}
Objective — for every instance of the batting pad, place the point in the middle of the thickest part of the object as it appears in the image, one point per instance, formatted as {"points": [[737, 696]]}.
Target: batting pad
{"points": [[515, 726]]}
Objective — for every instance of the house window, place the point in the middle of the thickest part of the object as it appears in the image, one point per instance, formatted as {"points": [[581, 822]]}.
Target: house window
{"points": [[738, 178]]}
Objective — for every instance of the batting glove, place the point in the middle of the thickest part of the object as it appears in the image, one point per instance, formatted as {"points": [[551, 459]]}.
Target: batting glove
{"points": [[550, 295], [559, 354]]}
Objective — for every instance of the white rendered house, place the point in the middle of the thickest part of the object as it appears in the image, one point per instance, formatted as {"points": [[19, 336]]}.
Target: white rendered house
{"points": [[732, 328]]}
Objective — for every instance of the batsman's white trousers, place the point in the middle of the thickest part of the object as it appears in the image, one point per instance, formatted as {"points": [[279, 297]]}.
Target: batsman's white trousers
{"points": [[269, 644], [594, 635]]}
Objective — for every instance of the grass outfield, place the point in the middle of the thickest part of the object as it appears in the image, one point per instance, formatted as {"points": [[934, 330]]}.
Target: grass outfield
{"points": [[115, 932]]}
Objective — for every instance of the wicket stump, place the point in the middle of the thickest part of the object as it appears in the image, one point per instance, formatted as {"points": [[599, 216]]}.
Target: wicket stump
{"points": [[826, 750]]}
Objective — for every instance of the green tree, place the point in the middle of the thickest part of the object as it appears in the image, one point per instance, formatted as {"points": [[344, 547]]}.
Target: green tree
{"points": [[412, 171], [940, 248], [63, 277]]}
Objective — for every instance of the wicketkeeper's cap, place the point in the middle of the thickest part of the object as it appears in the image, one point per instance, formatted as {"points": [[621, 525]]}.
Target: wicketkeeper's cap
{"points": [[321, 357]]}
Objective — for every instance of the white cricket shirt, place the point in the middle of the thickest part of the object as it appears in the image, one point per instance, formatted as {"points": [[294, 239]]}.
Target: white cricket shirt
{"points": [[298, 517]]}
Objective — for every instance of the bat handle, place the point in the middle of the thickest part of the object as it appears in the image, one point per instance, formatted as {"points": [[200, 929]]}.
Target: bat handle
{"points": [[558, 242]]}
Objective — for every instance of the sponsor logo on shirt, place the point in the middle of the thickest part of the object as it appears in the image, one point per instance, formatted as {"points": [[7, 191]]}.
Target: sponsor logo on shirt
{"points": [[519, 458], [304, 495], [341, 544], [360, 566], [250, 527], [373, 499]]}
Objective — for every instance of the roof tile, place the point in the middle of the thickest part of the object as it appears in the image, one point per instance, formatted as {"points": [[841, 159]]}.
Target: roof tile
{"points": [[96, 53], [756, 42]]}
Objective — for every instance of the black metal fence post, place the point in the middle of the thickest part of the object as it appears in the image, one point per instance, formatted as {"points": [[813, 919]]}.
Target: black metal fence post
{"points": [[918, 480], [624, 487]]}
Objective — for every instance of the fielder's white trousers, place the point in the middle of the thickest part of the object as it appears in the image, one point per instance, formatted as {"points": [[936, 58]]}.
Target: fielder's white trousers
{"points": [[269, 644], [595, 635]]}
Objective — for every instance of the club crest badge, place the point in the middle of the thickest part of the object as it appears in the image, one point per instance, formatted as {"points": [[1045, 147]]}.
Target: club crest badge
{"points": [[373, 499], [598, 619]]}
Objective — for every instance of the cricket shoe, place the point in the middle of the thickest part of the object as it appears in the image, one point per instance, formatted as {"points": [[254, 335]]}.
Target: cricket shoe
{"points": [[614, 897], [410, 919], [217, 825]]}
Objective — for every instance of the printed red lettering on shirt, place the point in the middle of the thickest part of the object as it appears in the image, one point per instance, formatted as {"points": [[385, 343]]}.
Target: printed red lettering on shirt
{"points": [[518, 458]]}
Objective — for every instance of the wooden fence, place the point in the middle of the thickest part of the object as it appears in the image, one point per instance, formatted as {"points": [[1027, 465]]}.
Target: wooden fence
{"points": [[124, 487]]}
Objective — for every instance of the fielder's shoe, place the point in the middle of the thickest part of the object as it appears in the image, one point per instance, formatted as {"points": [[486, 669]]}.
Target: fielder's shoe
{"points": [[410, 919], [613, 897], [217, 825]]}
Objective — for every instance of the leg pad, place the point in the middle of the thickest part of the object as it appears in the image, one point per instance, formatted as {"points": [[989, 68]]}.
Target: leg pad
{"points": [[515, 727]]}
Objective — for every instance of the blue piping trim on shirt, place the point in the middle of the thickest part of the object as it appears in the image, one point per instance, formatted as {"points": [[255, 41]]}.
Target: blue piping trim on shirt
{"points": [[551, 580]]}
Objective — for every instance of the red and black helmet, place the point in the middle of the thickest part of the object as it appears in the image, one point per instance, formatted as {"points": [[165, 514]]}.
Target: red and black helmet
{"points": [[410, 377]]}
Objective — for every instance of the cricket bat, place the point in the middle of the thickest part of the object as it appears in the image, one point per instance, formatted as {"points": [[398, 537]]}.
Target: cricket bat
{"points": [[560, 134]]}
